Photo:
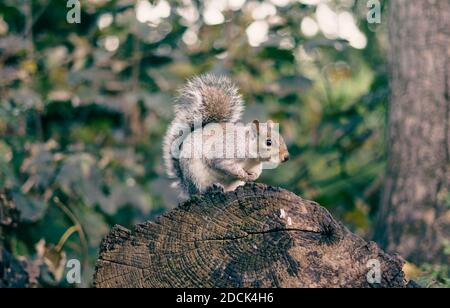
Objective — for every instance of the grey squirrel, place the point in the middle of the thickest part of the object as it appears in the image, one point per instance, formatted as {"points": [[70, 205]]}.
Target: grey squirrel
{"points": [[206, 148]]}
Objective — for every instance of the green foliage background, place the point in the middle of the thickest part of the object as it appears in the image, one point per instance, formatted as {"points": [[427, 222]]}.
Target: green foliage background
{"points": [[81, 127]]}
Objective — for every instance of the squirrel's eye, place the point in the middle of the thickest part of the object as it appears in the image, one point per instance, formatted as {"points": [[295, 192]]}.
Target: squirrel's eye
{"points": [[269, 142]]}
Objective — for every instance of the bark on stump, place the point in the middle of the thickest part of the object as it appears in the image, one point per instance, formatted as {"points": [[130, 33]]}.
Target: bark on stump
{"points": [[257, 236]]}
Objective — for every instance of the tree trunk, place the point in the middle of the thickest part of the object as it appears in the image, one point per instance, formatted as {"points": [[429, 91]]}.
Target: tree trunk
{"points": [[257, 236], [414, 218]]}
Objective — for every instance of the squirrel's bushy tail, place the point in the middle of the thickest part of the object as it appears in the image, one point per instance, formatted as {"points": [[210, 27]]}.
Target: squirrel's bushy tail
{"points": [[204, 99]]}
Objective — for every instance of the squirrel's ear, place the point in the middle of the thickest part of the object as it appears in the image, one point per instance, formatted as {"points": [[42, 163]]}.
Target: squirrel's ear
{"points": [[270, 123], [256, 125]]}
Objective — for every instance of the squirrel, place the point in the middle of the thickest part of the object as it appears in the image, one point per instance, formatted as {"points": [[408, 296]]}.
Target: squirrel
{"points": [[206, 148]]}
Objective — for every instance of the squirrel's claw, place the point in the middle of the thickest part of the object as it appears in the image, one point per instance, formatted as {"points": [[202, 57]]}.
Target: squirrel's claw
{"points": [[216, 187]]}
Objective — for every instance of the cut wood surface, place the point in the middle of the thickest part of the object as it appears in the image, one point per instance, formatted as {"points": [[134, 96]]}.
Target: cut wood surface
{"points": [[256, 236]]}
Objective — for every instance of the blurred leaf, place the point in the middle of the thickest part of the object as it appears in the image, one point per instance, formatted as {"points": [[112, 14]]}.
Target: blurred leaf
{"points": [[54, 260], [290, 85], [31, 209]]}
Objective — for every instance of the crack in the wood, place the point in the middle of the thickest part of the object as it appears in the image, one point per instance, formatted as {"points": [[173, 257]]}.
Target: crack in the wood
{"points": [[250, 233]]}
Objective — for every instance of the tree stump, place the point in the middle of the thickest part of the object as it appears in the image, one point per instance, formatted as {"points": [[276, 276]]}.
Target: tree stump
{"points": [[256, 236]]}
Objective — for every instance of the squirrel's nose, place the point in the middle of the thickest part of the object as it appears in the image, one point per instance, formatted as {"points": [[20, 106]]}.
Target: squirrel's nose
{"points": [[285, 158]]}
